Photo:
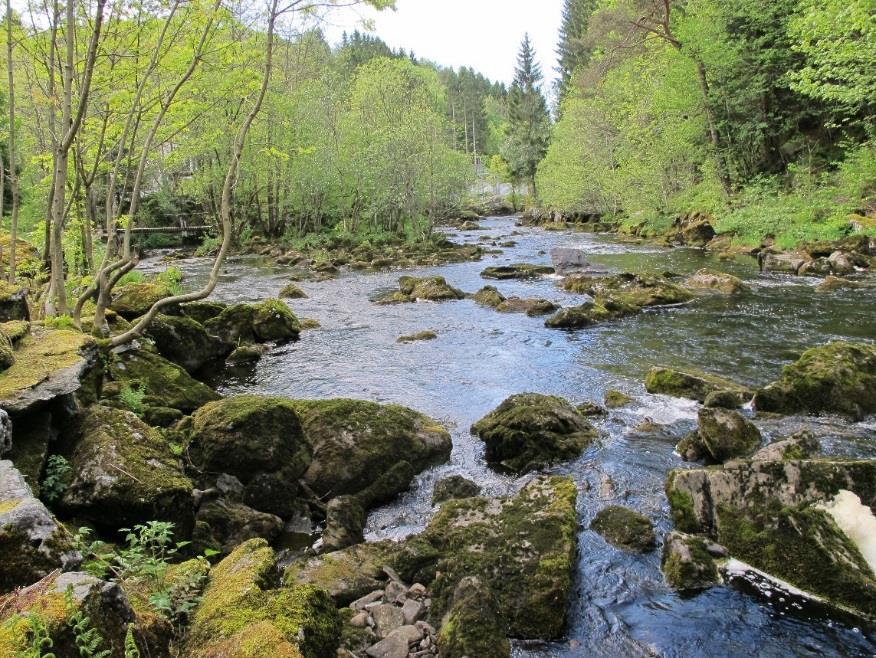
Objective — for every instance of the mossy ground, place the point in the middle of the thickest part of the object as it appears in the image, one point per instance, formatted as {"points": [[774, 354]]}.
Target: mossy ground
{"points": [[41, 354]]}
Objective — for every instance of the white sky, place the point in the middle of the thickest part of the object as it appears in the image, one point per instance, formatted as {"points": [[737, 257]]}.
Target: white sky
{"points": [[482, 34]]}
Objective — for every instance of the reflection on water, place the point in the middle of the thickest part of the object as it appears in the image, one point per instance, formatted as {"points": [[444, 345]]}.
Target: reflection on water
{"points": [[620, 606]]}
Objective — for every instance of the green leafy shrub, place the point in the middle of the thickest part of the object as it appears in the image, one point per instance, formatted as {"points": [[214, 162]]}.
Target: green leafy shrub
{"points": [[133, 398], [56, 478]]}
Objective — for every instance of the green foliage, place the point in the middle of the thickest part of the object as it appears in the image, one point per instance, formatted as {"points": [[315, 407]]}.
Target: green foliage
{"points": [[40, 642], [131, 648], [133, 398], [171, 278], [60, 322], [56, 478], [85, 636]]}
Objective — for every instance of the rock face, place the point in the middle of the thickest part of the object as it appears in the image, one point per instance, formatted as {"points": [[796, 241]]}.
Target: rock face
{"points": [[48, 364], [694, 230], [259, 440], [134, 299], [269, 320], [614, 297], [530, 430], [454, 486], [712, 280], [185, 342], [516, 271], [722, 434], [165, 384], [354, 440], [32, 544], [625, 528], [568, 260], [692, 384], [123, 474], [771, 514], [240, 616], [104, 603], [433, 289], [522, 548], [835, 378]]}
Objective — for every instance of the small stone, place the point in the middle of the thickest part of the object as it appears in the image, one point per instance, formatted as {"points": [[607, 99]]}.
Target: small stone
{"points": [[387, 617], [412, 610], [360, 604], [417, 591], [395, 592], [359, 620]]}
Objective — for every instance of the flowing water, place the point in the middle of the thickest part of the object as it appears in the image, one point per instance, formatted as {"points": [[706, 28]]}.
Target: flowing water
{"points": [[620, 605]]}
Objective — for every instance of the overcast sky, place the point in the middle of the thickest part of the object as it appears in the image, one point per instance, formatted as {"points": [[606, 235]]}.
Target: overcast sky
{"points": [[483, 34]]}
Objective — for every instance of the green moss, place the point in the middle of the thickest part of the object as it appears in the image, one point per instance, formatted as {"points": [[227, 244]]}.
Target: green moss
{"points": [[625, 528], [489, 296], [614, 399], [420, 335], [134, 299], [15, 329], [471, 626], [687, 564], [692, 384], [41, 354], [681, 506]]}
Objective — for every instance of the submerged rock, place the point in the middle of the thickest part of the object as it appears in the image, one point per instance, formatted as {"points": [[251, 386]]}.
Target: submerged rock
{"points": [[531, 306], [420, 335], [516, 271], [530, 430], [454, 486], [722, 282], [354, 440], [240, 615], [834, 378], [124, 474], [770, 514], [693, 384], [625, 528]]}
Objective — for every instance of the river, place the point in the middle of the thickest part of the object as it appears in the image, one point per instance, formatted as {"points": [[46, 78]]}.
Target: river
{"points": [[621, 606]]}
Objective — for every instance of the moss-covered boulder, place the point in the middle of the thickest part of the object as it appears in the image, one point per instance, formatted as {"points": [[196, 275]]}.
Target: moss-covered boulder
{"points": [[419, 336], [723, 434], [134, 299], [354, 440], [516, 271], [344, 522], [185, 341], [692, 384], [488, 296], [164, 384], [222, 525], [241, 616], [687, 564], [432, 288], [530, 430], [257, 439], [13, 302], [471, 627], [48, 364], [625, 528], [291, 291], [50, 606], [615, 399], [774, 515], [270, 320], [531, 306], [202, 311], [15, 330], [714, 281], [800, 445], [32, 543], [454, 486], [838, 378], [7, 358], [123, 473]]}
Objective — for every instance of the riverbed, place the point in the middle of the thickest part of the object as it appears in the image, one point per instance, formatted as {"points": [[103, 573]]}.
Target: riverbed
{"points": [[620, 606]]}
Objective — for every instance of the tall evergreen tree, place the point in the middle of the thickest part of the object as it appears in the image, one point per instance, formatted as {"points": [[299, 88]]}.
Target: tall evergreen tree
{"points": [[529, 120], [572, 51]]}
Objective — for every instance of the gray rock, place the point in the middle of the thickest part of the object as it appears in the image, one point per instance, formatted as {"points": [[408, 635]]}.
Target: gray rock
{"points": [[32, 544], [687, 563], [387, 618], [395, 646], [396, 592], [5, 432], [345, 521], [231, 488], [454, 486], [359, 604], [567, 260], [783, 263], [223, 525], [359, 620], [412, 611], [840, 263], [797, 446]]}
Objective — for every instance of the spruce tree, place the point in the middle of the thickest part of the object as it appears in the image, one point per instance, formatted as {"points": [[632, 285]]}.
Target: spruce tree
{"points": [[571, 50], [529, 120]]}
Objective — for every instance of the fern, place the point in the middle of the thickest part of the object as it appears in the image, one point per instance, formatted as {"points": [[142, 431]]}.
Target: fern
{"points": [[56, 478], [86, 637], [39, 639], [131, 649]]}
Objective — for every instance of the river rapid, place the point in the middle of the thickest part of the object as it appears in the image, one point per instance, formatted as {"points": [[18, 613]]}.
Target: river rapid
{"points": [[620, 605]]}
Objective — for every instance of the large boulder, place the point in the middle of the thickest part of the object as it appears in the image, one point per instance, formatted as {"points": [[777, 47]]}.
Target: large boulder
{"points": [[185, 342], [530, 430], [488, 296], [516, 271], [471, 626], [13, 302], [522, 548], [123, 474], [432, 288], [625, 528], [241, 616], [692, 384], [32, 543], [834, 378], [776, 516], [222, 525], [687, 563], [353, 441], [270, 320], [51, 606], [135, 299], [164, 384], [694, 230], [721, 434], [784, 263], [48, 364], [258, 440], [568, 260]]}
